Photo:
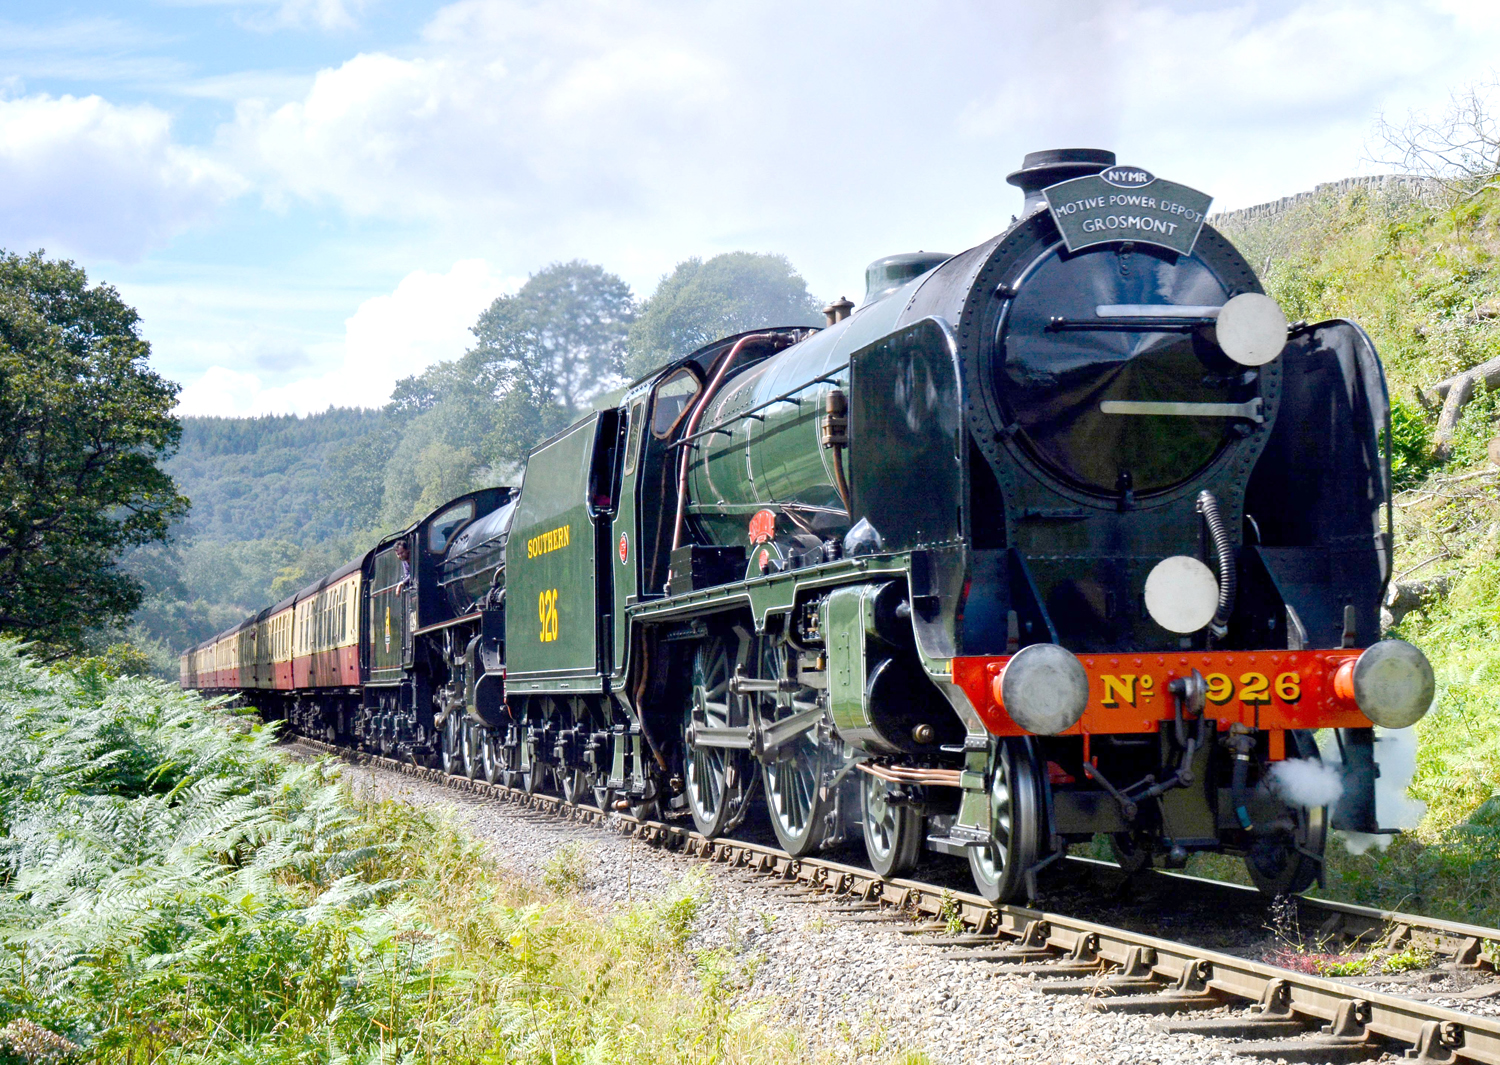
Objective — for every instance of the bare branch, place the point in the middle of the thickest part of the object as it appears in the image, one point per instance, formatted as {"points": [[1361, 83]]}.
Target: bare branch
{"points": [[1460, 147]]}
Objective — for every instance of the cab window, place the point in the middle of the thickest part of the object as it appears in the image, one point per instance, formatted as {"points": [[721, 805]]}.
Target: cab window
{"points": [[633, 445], [446, 524], [673, 397]]}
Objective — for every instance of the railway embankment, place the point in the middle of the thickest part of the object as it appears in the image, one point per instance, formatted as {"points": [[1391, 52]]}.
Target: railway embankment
{"points": [[175, 888], [1203, 958]]}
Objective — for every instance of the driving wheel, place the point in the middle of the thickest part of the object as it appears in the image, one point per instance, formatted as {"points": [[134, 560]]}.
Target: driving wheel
{"points": [[796, 772], [716, 778]]}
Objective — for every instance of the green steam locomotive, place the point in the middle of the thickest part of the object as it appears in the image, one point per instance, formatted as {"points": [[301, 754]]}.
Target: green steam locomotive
{"points": [[1069, 535]]}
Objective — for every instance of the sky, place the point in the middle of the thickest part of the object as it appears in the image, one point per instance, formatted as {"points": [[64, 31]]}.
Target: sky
{"points": [[308, 200]]}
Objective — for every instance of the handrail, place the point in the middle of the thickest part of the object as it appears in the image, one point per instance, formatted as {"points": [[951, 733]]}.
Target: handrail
{"points": [[786, 397]]}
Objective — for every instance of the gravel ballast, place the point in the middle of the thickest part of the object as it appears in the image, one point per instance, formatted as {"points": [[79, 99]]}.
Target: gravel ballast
{"points": [[856, 987]]}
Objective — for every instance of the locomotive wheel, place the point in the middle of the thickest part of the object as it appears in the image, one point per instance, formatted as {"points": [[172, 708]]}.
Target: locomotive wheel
{"points": [[800, 804], [574, 784], [893, 831], [508, 747], [716, 777], [999, 866], [534, 772], [533, 776], [473, 751], [1287, 860], [452, 744], [601, 791], [491, 756]]}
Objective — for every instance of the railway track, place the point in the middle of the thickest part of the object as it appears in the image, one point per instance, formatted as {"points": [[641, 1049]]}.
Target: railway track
{"points": [[1273, 1012]]}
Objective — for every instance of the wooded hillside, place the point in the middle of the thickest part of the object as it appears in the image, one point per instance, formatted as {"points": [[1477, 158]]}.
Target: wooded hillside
{"points": [[253, 478]]}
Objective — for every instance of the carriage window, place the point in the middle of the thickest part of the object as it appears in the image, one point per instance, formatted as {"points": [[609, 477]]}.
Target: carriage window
{"points": [[673, 397], [446, 524]]}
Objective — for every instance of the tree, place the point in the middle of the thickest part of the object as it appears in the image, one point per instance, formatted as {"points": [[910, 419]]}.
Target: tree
{"points": [[701, 301], [1459, 149], [83, 424], [358, 473], [542, 354], [1459, 152]]}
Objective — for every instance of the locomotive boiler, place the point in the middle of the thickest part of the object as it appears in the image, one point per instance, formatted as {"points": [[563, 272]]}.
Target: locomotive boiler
{"points": [[1069, 535]]}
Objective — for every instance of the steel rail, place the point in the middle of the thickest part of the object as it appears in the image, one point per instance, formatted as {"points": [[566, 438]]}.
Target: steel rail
{"points": [[1348, 923], [1131, 971]]}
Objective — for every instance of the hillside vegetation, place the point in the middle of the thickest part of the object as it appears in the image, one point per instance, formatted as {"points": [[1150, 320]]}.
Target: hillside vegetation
{"points": [[266, 477], [173, 890], [1420, 270]]}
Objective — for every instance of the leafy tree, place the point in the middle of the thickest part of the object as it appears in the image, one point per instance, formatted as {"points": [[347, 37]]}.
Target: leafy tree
{"points": [[83, 423], [437, 451], [543, 354], [701, 301]]}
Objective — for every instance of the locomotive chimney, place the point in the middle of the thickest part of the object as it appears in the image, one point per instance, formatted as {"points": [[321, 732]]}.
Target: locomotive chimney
{"points": [[1040, 169]]}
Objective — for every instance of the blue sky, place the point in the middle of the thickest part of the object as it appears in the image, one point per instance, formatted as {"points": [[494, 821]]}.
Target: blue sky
{"points": [[308, 199]]}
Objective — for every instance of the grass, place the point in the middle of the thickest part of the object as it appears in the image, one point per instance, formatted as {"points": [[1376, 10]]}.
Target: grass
{"points": [[566, 872], [172, 890]]}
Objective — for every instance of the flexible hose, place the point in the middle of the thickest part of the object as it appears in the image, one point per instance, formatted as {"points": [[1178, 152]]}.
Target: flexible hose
{"points": [[1208, 506], [1237, 790]]}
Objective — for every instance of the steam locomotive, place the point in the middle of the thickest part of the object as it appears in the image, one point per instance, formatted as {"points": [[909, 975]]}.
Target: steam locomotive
{"points": [[1070, 535]]}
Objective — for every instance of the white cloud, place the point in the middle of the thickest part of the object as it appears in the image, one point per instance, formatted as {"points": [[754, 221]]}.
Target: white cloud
{"points": [[1482, 15], [325, 14], [84, 176], [636, 132], [424, 320], [507, 107], [225, 392]]}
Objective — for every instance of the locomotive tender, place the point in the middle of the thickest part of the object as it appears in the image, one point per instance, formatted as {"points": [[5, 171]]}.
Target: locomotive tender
{"points": [[1064, 535]]}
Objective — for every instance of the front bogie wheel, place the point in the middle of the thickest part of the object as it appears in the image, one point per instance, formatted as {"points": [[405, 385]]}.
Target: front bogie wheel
{"points": [[999, 866], [1286, 855], [893, 829]]}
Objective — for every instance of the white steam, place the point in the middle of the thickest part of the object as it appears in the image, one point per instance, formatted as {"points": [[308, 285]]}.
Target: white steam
{"points": [[1396, 755], [1307, 782]]}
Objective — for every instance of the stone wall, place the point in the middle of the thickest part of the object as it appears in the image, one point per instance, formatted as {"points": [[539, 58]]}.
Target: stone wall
{"points": [[1409, 184]]}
